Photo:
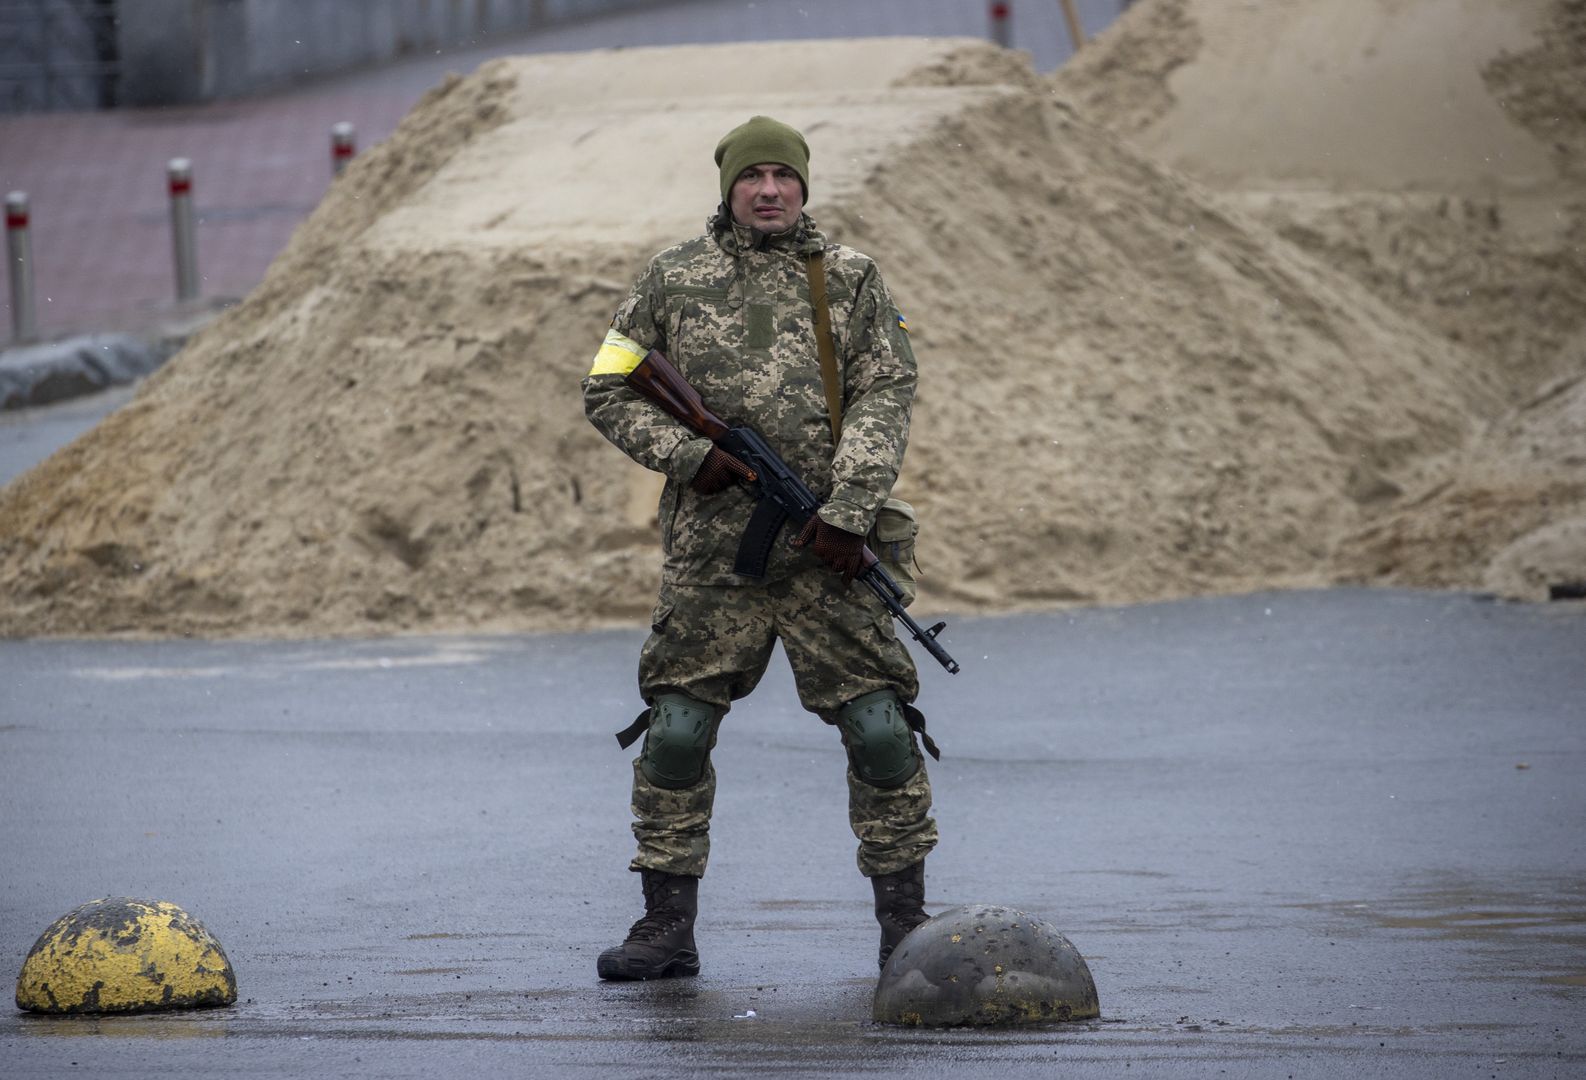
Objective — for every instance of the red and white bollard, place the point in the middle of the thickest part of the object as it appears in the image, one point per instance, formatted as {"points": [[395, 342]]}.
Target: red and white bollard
{"points": [[343, 145], [19, 268], [179, 173], [1002, 24]]}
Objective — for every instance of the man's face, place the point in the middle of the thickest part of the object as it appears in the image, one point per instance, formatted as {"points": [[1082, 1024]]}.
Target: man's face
{"points": [[768, 197]]}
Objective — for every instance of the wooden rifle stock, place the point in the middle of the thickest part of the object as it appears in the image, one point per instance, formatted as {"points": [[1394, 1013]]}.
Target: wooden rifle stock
{"points": [[663, 384]]}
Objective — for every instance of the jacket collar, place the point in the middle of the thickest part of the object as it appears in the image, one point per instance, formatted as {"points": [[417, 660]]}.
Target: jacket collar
{"points": [[804, 238]]}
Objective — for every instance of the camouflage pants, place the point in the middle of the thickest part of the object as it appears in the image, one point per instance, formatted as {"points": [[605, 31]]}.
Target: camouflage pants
{"points": [[713, 643]]}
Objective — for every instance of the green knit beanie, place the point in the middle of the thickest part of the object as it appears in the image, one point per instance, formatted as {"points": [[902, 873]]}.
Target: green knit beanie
{"points": [[756, 142]]}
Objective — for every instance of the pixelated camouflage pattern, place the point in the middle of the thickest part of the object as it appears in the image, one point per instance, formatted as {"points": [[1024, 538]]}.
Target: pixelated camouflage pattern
{"points": [[731, 309], [672, 825], [713, 643], [894, 827]]}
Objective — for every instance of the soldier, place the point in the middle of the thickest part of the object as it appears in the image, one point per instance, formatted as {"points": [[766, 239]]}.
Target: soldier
{"points": [[733, 311]]}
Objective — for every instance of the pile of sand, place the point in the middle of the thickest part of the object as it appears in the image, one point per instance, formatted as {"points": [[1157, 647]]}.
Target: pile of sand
{"points": [[1434, 151], [1131, 388]]}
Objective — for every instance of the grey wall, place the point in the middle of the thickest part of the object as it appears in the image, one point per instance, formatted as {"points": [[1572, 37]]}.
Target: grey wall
{"points": [[184, 51], [158, 42], [56, 54]]}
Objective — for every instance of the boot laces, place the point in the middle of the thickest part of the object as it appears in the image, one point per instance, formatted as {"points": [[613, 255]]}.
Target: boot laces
{"points": [[655, 924]]}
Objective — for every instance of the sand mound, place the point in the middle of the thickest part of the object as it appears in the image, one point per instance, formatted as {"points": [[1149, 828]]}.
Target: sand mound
{"points": [[1505, 514], [1369, 94], [1131, 390], [1433, 150]]}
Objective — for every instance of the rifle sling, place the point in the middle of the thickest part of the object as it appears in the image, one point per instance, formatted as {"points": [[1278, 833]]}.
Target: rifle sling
{"points": [[815, 265]]}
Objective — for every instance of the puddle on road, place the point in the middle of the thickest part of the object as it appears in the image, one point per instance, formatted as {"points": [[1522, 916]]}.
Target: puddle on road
{"points": [[821, 1032], [478, 935], [806, 905], [159, 1027], [444, 654], [1556, 913], [1534, 935], [811, 1025]]}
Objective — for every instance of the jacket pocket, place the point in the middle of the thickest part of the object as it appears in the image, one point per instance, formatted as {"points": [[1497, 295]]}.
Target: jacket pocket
{"points": [[702, 292], [892, 538], [666, 513], [662, 612]]}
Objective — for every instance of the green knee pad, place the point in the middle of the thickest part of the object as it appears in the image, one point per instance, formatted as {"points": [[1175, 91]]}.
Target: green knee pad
{"points": [[677, 743], [880, 746]]}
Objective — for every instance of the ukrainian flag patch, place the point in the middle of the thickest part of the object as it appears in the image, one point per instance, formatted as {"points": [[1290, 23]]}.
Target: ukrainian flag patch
{"points": [[903, 323]]}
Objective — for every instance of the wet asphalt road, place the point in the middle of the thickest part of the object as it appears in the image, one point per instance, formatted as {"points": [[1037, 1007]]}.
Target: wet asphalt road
{"points": [[28, 436], [1294, 834]]}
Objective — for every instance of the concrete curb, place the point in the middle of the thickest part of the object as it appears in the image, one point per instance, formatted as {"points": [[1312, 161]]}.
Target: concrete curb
{"points": [[42, 374], [54, 371]]}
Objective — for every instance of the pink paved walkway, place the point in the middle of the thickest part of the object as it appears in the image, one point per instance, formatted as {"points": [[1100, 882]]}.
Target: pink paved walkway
{"points": [[101, 227], [101, 217]]}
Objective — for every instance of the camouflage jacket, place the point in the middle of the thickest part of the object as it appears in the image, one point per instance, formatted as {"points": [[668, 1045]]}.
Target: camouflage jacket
{"points": [[732, 311]]}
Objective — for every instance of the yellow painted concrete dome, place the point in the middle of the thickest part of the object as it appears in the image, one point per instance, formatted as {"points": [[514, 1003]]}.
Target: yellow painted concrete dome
{"points": [[120, 955]]}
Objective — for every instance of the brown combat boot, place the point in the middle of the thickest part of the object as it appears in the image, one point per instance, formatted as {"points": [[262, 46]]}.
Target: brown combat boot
{"points": [[900, 905], [660, 944]]}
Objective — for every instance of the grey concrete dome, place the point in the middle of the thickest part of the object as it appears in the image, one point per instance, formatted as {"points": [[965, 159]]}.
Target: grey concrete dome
{"points": [[982, 965]]}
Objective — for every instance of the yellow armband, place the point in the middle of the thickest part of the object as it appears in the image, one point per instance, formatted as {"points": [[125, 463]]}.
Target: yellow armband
{"points": [[618, 355]]}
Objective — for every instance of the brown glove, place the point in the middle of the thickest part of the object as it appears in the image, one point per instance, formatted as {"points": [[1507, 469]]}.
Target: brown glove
{"points": [[718, 472], [837, 548]]}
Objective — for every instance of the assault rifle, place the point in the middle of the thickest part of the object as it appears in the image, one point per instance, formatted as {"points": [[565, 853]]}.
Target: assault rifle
{"points": [[782, 495]]}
